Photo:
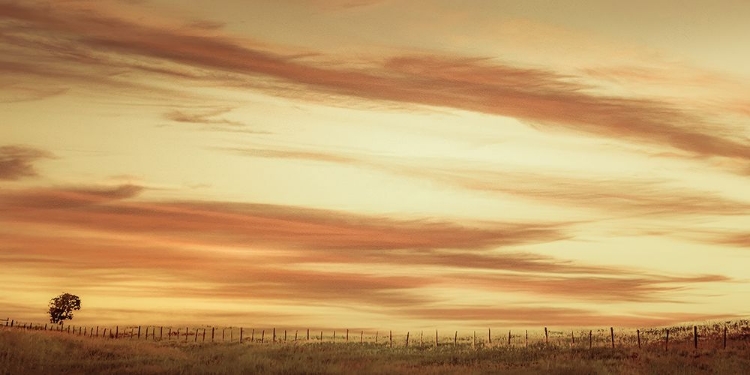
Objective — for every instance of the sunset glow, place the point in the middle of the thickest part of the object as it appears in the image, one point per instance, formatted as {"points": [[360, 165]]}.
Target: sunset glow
{"points": [[374, 163]]}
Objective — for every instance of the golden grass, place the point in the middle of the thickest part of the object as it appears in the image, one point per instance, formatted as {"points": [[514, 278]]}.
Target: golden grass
{"points": [[44, 352]]}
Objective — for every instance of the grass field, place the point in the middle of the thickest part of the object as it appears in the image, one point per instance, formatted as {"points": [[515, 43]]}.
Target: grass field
{"points": [[45, 352]]}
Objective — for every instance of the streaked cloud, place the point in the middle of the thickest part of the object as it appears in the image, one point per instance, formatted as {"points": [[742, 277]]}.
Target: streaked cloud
{"points": [[100, 209], [617, 286], [277, 251], [333, 5], [206, 117], [533, 316], [17, 161], [294, 154], [474, 84], [739, 239], [625, 196], [51, 199]]}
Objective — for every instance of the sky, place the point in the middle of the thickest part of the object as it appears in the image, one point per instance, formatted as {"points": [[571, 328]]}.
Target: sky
{"points": [[376, 164]]}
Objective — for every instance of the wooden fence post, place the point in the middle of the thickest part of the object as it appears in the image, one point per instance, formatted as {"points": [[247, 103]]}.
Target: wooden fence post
{"points": [[321, 336], [725, 337], [117, 331], [509, 336], [45, 325], [407, 339], [347, 335], [296, 331], [362, 337], [590, 339], [455, 339], [666, 342], [436, 339], [474, 343], [241, 329], [263, 336], [334, 336], [204, 335], [223, 334], [212, 334], [284, 335], [526, 344], [97, 331], [695, 337], [139, 332], [169, 333], [612, 333], [252, 335], [274, 335], [308, 334], [572, 338], [390, 334], [187, 330], [104, 333], [638, 331], [161, 332], [196, 335], [421, 339], [489, 336]]}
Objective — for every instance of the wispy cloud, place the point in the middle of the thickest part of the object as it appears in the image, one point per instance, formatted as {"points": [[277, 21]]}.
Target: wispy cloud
{"points": [[297, 254], [633, 196], [210, 117], [294, 154], [564, 317], [740, 239], [51, 199], [622, 196], [617, 286], [482, 85], [338, 5], [98, 209], [17, 162]]}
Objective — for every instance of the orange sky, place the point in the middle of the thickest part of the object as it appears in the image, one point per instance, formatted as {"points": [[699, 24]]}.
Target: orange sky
{"points": [[375, 163]]}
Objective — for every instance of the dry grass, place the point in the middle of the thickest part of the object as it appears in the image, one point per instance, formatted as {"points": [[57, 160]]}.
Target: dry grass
{"points": [[40, 352]]}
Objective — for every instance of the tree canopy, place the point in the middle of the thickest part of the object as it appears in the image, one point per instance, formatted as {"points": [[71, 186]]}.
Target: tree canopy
{"points": [[61, 307]]}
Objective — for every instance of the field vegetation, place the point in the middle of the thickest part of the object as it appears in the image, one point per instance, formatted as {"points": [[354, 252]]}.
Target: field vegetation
{"points": [[50, 352]]}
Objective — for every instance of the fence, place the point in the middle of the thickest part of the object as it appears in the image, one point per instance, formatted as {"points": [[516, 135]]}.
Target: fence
{"points": [[706, 336]]}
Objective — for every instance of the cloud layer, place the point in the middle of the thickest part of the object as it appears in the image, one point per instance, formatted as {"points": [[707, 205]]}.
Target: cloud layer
{"points": [[90, 36], [17, 162], [301, 255]]}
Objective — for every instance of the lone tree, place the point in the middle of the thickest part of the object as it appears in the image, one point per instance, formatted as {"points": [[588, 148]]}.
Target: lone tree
{"points": [[61, 307]]}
